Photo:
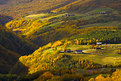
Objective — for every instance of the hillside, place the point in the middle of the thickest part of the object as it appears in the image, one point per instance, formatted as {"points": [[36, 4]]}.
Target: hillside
{"points": [[49, 27], [7, 59], [12, 42], [48, 59], [15, 8], [11, 48], [4, 19], [88, 5], [18, 8]]}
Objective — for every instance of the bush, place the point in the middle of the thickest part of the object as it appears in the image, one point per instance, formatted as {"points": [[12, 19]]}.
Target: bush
{"points": [[45, 76], [119, 51], [116, 76]]}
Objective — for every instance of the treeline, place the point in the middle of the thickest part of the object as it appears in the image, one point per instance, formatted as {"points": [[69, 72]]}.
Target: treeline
{"points": [[105, 36]]}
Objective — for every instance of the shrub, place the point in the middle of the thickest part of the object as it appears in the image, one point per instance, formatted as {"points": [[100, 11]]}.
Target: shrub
{"points": [[119, 51], [116, 76], [45, 76]]}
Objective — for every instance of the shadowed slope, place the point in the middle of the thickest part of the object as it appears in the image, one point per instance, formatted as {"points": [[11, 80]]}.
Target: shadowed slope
{"points": [[12, 42], [7, 59], [4, 19]]}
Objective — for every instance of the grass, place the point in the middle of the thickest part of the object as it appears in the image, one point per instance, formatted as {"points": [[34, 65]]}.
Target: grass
{"points": [[82, 47], [106, 56], [53, 16], [100, 10], [100, 59], [36, 16], [92, 16], [111, 23], [96, 13]]}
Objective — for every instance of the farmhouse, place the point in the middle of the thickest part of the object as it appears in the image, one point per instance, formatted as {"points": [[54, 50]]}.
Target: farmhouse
{"points": [[99, 43], [78, 51], [66, 51], [103, 12], [69, 51]]}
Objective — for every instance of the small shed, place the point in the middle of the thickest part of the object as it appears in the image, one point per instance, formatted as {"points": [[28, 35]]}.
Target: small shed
{"points": [[103, 12], [61, 51], [66, 51], [69, 51], [78, 51], [99, 43], [67, 15]]}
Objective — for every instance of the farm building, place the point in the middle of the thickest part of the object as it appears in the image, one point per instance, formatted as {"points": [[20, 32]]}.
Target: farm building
{"points": [[66, 51], [99, 43], [78, 51]]}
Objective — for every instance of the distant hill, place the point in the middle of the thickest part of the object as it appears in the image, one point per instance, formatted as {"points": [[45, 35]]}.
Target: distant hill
{"points": [[63, 21], [88, 5], [3, 2], [49, 27], [18, 8]]}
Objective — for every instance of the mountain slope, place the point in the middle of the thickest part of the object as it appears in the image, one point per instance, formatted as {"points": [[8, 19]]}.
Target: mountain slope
{"points": [[49, 59], [11, 48], [87, 5], [12, 42], [49, 27], [4, 19], [15, 8], [18, 8], [7, 59]]}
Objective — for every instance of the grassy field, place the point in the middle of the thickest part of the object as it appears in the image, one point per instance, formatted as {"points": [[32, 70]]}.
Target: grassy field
{"points": [[44, 16], [107, 55], [36, 16]]}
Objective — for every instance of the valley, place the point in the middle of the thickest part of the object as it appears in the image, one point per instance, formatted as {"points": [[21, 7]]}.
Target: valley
{"points": [[60, 40]]}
